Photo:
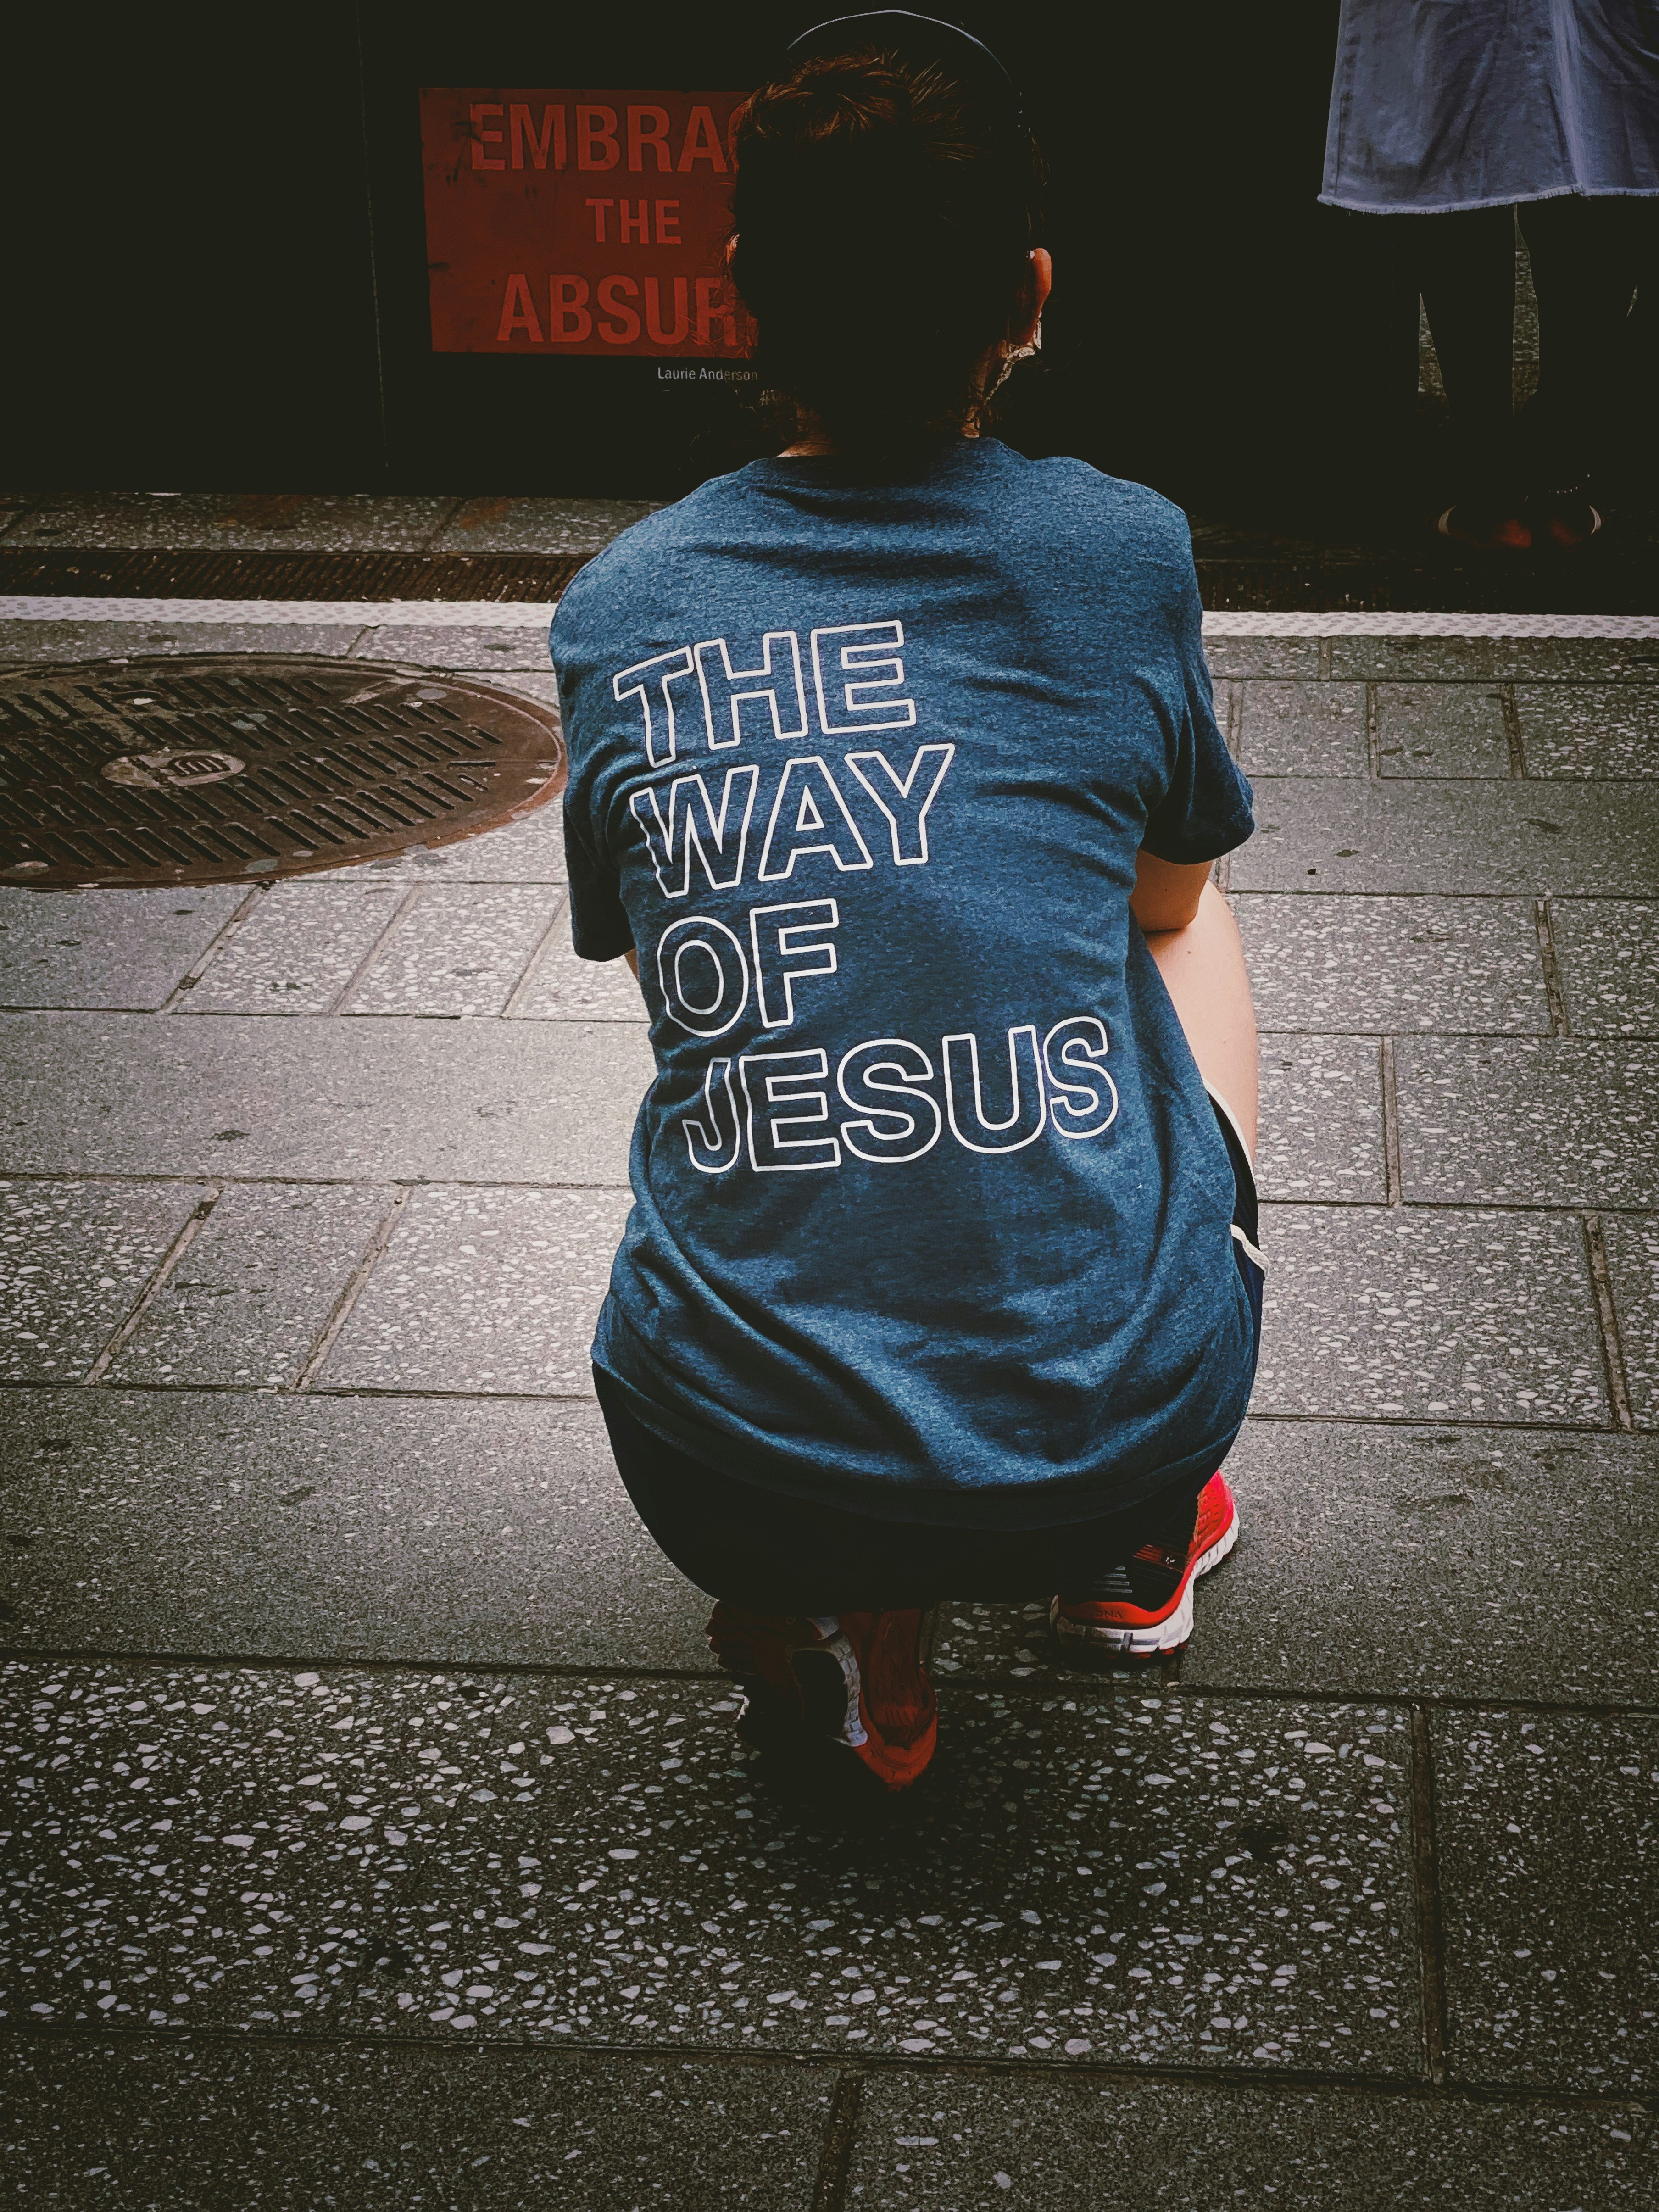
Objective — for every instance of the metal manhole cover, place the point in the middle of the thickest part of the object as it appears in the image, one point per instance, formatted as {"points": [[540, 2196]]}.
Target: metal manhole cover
{"points": [[218, 768]]}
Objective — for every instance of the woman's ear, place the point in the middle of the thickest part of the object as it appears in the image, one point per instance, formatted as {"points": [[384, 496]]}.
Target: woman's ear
{"points": [[1034, 296]]}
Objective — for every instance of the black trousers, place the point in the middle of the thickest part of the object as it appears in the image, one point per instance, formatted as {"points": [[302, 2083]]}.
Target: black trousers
{"points": [[771, 1553], [1588, 256]]}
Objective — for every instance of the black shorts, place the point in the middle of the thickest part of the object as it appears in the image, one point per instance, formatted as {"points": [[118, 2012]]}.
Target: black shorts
{"points": [[768, 1552]]}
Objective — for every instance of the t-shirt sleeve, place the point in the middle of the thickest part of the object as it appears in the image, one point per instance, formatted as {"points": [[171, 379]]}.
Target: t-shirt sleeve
{"points": [[599, 921], [1206, 809]]}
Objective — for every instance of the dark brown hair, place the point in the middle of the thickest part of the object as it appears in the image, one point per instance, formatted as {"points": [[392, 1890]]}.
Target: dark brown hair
{"points": [[884, 212]]}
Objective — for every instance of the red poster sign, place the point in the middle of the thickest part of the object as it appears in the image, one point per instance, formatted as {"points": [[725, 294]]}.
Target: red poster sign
{"points": [[592, 222]]}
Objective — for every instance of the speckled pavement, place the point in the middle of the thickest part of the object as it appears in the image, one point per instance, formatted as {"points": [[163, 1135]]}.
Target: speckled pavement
{"points": [[374, 1832]]}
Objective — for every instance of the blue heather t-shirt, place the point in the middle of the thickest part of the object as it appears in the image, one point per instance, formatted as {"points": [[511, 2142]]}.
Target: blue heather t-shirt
{"points": [[931, 1211]]}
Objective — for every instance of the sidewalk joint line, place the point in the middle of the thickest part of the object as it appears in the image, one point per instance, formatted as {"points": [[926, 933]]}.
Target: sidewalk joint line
{"points": [[1392, 1179], [148, 1177], [1223, 692], [1346, 1418], [1425, 1867], [452, 508], [341, 997], [187, 984], [481, 1397], [1108, 1687], [1441, 1033], [835, 2156], [1555, 992], [1513, 732], [1606, 1319], [415, 1393], [1401, 2088], [353, 1290], [152, 1290], [538, 953]]}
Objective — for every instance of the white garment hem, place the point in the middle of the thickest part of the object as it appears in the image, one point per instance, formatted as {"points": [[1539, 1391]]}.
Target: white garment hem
{"points": [[1502, 199], [1239, 1237], [1222, 1108]]}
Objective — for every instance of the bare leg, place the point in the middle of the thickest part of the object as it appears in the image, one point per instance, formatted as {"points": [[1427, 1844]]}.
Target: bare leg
{"points": [[1203, 970]]}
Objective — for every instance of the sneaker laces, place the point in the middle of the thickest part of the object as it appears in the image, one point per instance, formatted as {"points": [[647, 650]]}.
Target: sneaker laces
{"points": [[830, 1682]]}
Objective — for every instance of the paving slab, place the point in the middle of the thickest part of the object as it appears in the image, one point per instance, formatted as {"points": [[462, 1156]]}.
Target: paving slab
{"points": [[1548, 1830], [448, 1531], [114, 949], [484, 1290], [540, 526], [1473, 837], [1161, 1878], [465, 1562], [1303, 729], [1546, 1121], [562, 987], [1590, 729], [197, 2125], [1409, 1313], [255, 1290], [1548, 659], [371, 1102], [1387, 965], [242, 522], [1293, 657], [1367, 657], [483, 648], [1609, 951], [950, 2143], [530, 851], [1440, 729], [74, 1261], [1378, 1559], [27, 644], [1577, 659], [1633, 1263], [297, 949], [456, 949], [1321, 1119]]}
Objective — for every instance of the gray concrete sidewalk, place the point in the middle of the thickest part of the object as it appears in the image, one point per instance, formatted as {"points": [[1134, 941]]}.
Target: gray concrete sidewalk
{"points": [[322, 522], [377, 1830]]}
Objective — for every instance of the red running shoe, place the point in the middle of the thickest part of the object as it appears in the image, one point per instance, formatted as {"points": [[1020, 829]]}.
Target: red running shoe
{"points": [[1146, 1607], [855, 1679]]}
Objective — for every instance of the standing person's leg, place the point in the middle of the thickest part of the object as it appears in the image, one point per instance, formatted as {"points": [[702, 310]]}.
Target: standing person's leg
{"points": [[1204, 973], [1638, 349], [1367, 375], [1466, 272], [1585, 254]]}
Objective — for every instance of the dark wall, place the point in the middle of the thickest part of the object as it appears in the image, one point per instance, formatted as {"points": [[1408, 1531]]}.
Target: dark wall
{"points": [[196, 295], [187, 225]]}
